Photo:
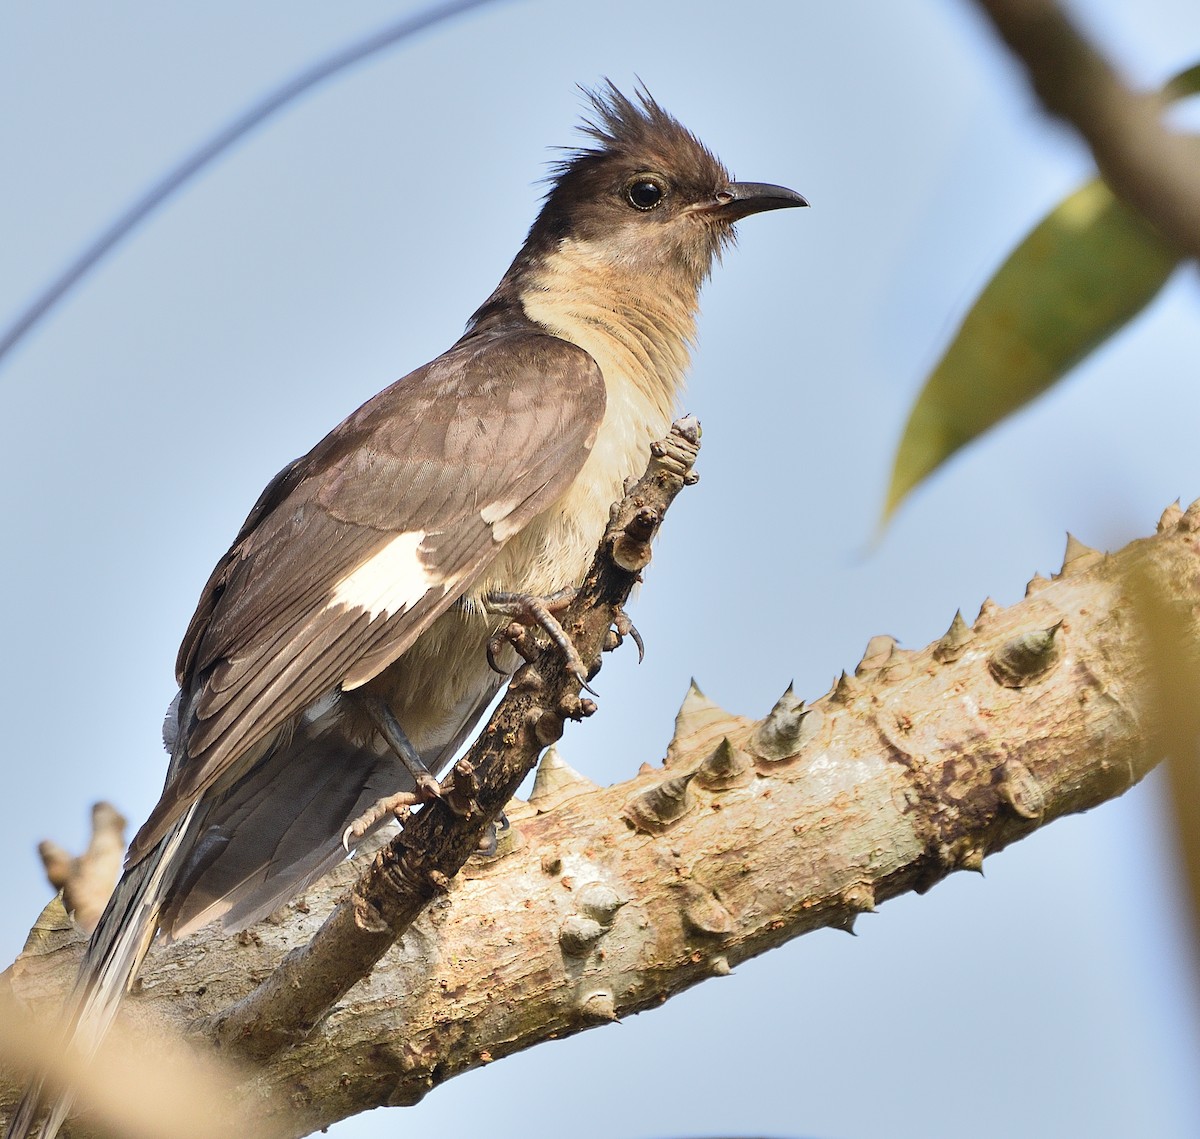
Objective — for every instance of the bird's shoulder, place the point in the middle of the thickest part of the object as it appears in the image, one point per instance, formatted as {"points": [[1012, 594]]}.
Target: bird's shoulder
{"points": [[488, 432]]}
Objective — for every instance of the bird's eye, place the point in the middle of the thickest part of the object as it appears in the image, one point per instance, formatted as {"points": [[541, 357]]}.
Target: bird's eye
{"points": [[644, 193]]}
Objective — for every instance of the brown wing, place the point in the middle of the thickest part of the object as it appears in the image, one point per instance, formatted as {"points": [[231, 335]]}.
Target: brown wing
{"points": [[352, 551]]}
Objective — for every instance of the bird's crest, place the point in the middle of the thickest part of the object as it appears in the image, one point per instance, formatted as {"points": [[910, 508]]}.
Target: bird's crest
{"points": [[641, 133]]}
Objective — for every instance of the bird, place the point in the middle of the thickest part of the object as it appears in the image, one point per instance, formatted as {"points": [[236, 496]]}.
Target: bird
{"points": [[337, 658]]}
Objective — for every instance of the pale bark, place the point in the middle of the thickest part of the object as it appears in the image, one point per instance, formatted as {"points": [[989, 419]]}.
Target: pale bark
{"points": [[607, 901]]}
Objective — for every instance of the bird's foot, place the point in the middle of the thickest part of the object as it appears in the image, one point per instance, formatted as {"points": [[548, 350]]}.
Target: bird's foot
{"points": [[397, 805], [623, 627], [489, 841], [527, 612]]}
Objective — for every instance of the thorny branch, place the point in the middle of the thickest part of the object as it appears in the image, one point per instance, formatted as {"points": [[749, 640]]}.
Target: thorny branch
{"points": [[608, 901]]}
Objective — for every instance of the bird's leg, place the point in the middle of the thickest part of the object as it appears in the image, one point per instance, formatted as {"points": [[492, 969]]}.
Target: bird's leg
{"points": [[427, 788], [528, 611], [394, 736]]}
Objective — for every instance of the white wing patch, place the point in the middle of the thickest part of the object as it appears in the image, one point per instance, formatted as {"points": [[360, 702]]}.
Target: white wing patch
{"points": [[391, 580], [496, 515]]}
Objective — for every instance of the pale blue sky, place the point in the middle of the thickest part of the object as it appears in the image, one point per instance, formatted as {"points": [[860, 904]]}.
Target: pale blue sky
{"points": [[347, 243]]}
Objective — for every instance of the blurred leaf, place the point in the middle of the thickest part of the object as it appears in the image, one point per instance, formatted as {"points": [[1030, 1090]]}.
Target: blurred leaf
{"points": [[1184, 84], [1183, 776], [1172, 672], [1083, 273]]}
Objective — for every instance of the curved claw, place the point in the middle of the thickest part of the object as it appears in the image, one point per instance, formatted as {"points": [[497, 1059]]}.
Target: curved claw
{"points": [[581, 675], [493, 647], [637, 640], [529, 611], [626, 628]]}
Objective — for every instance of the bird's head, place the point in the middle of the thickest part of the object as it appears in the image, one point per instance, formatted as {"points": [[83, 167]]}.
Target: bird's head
{"points": [[646, 194]]}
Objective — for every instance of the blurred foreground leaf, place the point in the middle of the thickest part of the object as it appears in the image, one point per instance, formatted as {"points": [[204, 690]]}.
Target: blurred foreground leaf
{"points": [[1172, 667], [1082, 274], [1184, 84]]}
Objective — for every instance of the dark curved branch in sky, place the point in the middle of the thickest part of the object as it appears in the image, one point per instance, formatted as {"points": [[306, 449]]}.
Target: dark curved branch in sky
{"points": [[232, 132]]}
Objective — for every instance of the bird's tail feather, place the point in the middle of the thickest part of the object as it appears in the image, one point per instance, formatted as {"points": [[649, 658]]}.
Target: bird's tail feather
{"points": [[113, 955], [277, 829]]}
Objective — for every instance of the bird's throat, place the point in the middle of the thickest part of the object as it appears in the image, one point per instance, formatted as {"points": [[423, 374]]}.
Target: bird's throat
{"points": [[638, 329]]}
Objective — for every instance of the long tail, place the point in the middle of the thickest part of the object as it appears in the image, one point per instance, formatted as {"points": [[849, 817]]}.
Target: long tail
{"points": [[277, 829], [113, 955], [237, 854]]}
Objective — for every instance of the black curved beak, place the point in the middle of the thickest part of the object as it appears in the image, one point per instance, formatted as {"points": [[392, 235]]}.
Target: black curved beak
{"points": [[740, 199]]}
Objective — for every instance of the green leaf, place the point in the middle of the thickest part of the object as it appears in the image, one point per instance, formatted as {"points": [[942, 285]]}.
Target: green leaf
{"points": [[1184, 84], [1083, 273], [1079, 276]]}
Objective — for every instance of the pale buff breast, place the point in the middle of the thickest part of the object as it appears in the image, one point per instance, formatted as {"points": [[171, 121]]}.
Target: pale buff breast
{"points": [[642, 353]]}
